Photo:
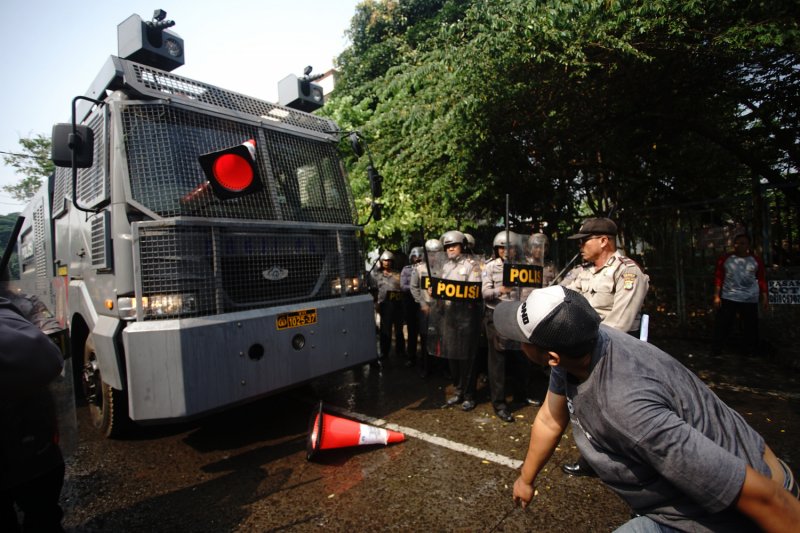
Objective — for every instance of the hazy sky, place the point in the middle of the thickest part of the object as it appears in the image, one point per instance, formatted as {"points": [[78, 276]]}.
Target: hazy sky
{"points": [[51, 51]]}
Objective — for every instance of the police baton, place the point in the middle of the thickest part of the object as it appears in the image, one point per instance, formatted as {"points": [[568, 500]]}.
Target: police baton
{"points": [[555, 279]]}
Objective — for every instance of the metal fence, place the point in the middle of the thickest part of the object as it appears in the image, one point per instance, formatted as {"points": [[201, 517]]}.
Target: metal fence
{"points": [[678, 246]]}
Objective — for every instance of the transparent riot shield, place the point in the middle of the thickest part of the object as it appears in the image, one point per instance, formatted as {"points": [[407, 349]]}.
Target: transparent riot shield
{"points": [[456, 310], [536, 253]]}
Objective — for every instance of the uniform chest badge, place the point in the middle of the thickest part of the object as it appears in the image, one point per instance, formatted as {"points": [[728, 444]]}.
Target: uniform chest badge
{"points": [[629, 280]]}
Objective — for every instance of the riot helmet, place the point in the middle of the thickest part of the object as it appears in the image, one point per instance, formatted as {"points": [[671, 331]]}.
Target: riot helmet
{"points": [[469, 242], [387, 256], [416, 254], [500, 239], [434, 245], [540, 241], [453, 237]]}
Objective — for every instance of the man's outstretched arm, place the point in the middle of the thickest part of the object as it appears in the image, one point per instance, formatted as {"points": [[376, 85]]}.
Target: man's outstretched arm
{"points": [[549, 425]]}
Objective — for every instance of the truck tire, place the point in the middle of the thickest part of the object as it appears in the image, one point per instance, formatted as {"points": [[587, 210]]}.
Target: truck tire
{"points": [[108, 409]]}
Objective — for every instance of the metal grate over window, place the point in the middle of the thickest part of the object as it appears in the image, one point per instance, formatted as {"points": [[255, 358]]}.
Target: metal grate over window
{"points": [[208, 270], [303, 178], [40, 253], [159, 83], [61, 190], [93, 182], [101, 258]]}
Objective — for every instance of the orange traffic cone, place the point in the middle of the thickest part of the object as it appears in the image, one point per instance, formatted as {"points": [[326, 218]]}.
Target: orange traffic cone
{"points": [[327, 432]]}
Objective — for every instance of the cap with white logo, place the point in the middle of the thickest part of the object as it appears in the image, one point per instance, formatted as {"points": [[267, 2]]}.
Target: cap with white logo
{"points": [[555, 318]]}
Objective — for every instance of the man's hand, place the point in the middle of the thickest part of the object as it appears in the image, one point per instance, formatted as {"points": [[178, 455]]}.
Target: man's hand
{"points": [[523, 492]]}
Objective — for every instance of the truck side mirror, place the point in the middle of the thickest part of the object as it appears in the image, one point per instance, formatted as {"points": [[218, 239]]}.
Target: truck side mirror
{"points": [[355, 144], [64, 143], [375, 182]]}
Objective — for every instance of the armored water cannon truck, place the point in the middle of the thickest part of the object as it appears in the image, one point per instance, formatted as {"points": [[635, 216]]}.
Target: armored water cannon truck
{"points": [[200, 245]]}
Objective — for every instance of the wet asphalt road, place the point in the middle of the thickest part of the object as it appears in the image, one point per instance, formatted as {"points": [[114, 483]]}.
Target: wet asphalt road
{"points": [[246, 469]]}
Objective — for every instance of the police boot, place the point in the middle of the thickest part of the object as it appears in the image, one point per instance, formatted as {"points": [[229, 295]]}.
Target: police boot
{"points": [[580, 468]]}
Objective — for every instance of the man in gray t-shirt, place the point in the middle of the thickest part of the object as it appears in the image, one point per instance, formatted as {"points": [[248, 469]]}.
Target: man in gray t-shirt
{"points": [[652, 431]]}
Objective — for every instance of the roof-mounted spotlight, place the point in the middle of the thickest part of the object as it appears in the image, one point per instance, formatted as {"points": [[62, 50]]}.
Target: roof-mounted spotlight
{"points": [[150, 43], [301, 93]]}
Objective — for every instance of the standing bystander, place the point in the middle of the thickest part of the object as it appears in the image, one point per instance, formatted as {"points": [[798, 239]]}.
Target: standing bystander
{"points": [[739, 280]]}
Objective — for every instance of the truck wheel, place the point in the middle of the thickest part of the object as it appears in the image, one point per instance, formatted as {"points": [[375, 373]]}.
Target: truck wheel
{"points": [[107, 406]]}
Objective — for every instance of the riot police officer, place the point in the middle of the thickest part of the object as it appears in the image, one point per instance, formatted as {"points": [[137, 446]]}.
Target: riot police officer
{"points": [[386, 282], [458, 322], [410, 305], [502, 352], [469, 244], [421, 272], [536, 253]]}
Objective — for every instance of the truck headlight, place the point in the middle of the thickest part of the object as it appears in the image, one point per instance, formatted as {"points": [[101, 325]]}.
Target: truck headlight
{"points": [[351, 286], [158, 305], [165, 305]]}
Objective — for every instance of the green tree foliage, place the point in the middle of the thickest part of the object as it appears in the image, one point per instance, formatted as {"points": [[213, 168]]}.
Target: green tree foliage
{"points": [[33, 163], [572, 107]]}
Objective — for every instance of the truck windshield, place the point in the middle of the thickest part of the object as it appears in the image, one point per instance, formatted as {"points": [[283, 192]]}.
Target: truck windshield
{"points": [[303, 178]]}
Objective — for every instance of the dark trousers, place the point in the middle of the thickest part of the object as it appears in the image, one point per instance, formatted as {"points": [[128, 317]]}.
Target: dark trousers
{"points": [[725, 318], [500, 363], [391, 312], [38, 501], [465, 376]]}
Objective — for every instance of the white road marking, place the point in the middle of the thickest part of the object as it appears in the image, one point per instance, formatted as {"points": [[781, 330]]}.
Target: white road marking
{"points": [[433, 439]]}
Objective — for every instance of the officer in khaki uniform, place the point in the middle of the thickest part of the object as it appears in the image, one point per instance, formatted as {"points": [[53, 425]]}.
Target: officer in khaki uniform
{"points": [[420, 294], [614, 285], [386, 282], [459, 323], [502, 352]]}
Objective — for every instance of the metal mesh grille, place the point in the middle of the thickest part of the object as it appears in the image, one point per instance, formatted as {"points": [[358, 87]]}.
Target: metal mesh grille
{"points": [[223, 269], [39, 253], [100, 241], [310, 183], [302, 177], [158, 83], [93, 182], [60, 190]]}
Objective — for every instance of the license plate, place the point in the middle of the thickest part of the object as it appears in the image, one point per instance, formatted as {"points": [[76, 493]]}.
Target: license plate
{"points": [[296, 319]]}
